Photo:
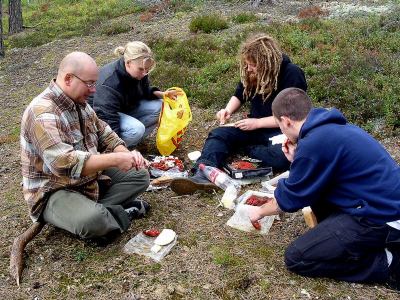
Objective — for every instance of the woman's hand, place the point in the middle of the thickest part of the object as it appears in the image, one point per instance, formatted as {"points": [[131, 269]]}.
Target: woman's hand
{"points": [[172, 94], [223, 115], [247, 124]]}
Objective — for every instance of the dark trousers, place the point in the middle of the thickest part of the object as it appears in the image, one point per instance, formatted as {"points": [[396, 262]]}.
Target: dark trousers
{"points": [[344, 248], [225, 141]]}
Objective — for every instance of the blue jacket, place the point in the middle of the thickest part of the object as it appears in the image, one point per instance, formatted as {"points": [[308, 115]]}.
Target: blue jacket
{"points": [[343, 165]]}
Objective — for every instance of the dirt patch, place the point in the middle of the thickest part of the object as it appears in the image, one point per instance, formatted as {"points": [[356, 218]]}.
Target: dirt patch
{"points": [[210, 260]]}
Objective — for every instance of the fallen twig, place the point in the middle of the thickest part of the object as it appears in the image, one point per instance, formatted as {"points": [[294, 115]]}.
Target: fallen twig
{"points": [[17, 251]]}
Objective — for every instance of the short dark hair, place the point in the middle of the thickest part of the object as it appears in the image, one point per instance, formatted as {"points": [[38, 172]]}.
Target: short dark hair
{"points": [[293, 103]]}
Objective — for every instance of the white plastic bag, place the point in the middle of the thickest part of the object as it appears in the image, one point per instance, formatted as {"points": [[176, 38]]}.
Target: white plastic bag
{"points": [[142, 244], [240, 220]]}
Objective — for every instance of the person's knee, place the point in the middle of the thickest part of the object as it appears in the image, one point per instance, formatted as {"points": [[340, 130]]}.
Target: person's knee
{"points": [[220, 133], [140, 178], [93, 224], [293, 259], [157, 106], [133, 135]]}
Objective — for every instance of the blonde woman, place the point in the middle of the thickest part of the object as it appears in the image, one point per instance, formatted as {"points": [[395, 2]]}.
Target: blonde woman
{"points": [[124, 97], [264, 72]]}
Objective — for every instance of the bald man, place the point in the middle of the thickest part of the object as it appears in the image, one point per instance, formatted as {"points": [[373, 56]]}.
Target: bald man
{"points": [[77, 173]]}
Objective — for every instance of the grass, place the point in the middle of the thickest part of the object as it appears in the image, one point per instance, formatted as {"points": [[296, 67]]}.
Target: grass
{"points": [[223, 257], [63, 19], [350, 64], [115, 28]]}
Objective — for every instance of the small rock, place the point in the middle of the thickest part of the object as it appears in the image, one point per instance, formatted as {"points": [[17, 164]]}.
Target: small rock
{"points": [[207, 286], [180, 290], [220, 214]]}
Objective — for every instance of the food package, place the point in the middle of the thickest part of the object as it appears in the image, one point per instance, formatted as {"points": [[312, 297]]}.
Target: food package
{"points": [[170, 166], [143, 244], [240, 220]]}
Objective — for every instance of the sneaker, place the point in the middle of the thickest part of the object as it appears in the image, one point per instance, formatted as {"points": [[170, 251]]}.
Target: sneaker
{"points": [[103, 241], [394, 271], [138, 209], [192, 184]]}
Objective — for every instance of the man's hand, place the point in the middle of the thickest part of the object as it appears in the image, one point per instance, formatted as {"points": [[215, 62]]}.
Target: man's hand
{"points": [[139, 161], [270, 208], [247, 124], [125, 161], [223, 115], [289, 149], [254, 213]]}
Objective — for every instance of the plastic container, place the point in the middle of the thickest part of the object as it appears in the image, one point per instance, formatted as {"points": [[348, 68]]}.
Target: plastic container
{"points": [[218, 177], [229, 197]]}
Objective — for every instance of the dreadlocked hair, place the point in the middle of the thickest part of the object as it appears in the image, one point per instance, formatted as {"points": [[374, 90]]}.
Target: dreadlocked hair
{"points": [[265, 52]]}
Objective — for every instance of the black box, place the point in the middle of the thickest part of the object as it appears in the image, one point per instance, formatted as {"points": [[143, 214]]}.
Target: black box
{"points": [[241, 173]]}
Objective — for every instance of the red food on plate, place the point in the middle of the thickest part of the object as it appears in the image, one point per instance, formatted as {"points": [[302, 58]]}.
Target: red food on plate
{"points": [[256, 225], [257, 200], [243, 165], [151, 232]]}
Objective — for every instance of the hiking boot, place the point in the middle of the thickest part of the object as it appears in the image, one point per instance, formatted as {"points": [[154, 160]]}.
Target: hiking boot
{"points": [[138, 209], [197, 182]]}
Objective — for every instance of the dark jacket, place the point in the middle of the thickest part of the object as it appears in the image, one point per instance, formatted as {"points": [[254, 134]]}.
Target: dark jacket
{"points": [[341, 164], [290, 75], [117, 91]]}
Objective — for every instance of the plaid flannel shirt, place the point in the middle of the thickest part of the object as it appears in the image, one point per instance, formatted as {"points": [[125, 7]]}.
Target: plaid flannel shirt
{"points": [[54, 148]]}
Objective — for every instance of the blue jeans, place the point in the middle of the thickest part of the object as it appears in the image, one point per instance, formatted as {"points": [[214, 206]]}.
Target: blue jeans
{"points": [[139, 122], [222, 142], [344, 248]]}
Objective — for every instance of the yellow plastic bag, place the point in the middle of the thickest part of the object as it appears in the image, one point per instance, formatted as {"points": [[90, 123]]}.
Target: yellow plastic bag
{"points": [[174, 118]]}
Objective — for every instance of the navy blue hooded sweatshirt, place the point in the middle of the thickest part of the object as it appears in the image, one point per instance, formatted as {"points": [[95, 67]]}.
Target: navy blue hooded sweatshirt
{"points": [[341, 164]]}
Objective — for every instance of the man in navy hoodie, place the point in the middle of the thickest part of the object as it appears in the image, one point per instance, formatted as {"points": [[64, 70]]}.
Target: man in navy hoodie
{"points": [[353, 186]]}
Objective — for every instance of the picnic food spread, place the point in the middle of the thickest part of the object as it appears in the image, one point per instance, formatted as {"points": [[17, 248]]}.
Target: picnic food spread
{"points": [[164, 163]]}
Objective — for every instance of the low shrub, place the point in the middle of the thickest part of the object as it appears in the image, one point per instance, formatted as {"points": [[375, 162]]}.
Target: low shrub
{"points": [[115, 28], [245, 18], [208, 23]]}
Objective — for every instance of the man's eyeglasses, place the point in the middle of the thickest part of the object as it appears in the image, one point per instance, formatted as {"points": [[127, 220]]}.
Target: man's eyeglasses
{"points": [[89, 84]]}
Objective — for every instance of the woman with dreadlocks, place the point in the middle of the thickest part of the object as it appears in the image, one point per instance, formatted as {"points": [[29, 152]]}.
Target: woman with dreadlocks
{"points": [[264, 72]]}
